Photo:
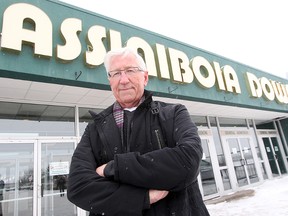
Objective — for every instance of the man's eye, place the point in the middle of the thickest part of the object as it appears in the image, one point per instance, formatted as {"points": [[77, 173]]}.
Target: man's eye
{"points": [[130, 71], [116, 74]]}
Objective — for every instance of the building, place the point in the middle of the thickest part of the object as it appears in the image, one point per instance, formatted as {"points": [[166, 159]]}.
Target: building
{"points": [[51, 74]]}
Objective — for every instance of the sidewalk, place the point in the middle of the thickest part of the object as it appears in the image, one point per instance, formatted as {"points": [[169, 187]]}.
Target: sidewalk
{"points": [[269, 198]]}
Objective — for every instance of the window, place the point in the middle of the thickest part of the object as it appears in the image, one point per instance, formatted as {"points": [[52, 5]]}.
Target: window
{"points": [[20, 119]]}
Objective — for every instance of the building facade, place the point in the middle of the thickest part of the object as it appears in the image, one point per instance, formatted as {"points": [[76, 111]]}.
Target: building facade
{"points": [[52, 73]]}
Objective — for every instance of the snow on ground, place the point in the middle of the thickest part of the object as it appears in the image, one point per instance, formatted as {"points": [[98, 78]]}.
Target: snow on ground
{"points": [[271, 198]]}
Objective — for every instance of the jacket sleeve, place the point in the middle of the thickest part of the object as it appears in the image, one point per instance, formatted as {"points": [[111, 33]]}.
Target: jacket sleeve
{"points": [[91, 192], [168, 168]]}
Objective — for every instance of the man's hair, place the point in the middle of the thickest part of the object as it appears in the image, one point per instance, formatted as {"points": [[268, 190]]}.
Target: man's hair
{"points": [[125, 51]]}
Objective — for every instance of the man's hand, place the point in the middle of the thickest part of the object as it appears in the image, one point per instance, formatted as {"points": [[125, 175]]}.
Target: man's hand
{"points": [[156, 195], [100, 170]]}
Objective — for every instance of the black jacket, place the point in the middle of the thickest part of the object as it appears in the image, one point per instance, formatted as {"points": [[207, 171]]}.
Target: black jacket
{"points": [[165, 152]]}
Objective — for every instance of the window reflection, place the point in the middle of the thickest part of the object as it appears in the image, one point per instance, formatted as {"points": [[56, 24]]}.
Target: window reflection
{"points": [[218, 146], [85, 117], [200, 121], [16, 178], [232, 122], [55, 162], [225, 179], [206, 171], [36, 120]]}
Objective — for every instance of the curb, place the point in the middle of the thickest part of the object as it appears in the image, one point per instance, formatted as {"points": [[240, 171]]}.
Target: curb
{"points": [[230, 197]]}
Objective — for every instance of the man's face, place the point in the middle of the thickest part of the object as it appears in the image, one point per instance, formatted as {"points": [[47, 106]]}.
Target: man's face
{"points": [[127, 89]]}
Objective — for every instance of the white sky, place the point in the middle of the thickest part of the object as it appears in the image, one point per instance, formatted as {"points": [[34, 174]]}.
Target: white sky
{"points": [[252, 32], [271, 198]]}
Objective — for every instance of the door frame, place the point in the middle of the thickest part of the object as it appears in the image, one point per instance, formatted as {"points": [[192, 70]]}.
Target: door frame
{"points": [[206, 134], [37, 142], [39, 158], [230, 133], [26, 141], [270, 133]]}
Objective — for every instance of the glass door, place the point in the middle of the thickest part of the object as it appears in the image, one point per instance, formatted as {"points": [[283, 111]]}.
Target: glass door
{"points": [[54, 160], [206, 170], [278, 156], [243, 161], [17, 185], [274, 156], [209, 176], [249, 160]]}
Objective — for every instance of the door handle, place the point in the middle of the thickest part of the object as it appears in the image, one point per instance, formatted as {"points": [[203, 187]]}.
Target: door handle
{"points": [[242, 162], [40, 188]]}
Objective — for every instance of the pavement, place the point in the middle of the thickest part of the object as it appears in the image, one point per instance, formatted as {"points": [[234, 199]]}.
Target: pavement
{"points": [[230, 197]]}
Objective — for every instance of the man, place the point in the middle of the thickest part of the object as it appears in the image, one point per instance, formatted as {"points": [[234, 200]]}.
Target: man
{"points": [[139, 156], [61, 185]]}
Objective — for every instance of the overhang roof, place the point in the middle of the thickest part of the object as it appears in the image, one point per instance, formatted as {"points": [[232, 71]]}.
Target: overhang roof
{"points": [[21, 91]]}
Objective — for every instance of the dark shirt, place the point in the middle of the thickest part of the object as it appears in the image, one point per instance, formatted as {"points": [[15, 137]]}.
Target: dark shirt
{"points": [[127, 129]]}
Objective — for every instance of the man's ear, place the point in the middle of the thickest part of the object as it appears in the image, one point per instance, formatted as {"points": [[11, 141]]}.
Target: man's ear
{"points": [[146, 78]]}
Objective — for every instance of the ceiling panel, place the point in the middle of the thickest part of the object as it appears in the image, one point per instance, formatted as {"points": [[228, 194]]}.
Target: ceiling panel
{"points": [[54, 94], [74, 90], [10, 92], [67, 98], [14, 83], [40, 95], [45, 87]]}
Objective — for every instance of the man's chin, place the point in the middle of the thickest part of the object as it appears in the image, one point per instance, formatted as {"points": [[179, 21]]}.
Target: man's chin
{"points": [[128, 102]]}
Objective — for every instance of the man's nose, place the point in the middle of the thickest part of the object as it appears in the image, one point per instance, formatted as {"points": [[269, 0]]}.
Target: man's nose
{"points": [[124, 77]]}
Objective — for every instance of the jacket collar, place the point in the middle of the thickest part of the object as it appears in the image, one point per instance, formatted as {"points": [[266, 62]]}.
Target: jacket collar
{"points": [[109, 110]]}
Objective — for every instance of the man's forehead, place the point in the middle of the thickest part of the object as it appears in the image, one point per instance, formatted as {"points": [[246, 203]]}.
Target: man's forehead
{"points": [[123, 61], [127, 56]]}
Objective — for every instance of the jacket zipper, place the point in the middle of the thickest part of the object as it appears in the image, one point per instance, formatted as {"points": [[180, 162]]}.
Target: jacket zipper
{"points": [[129, 137], [159, 140], [105, 156]]}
